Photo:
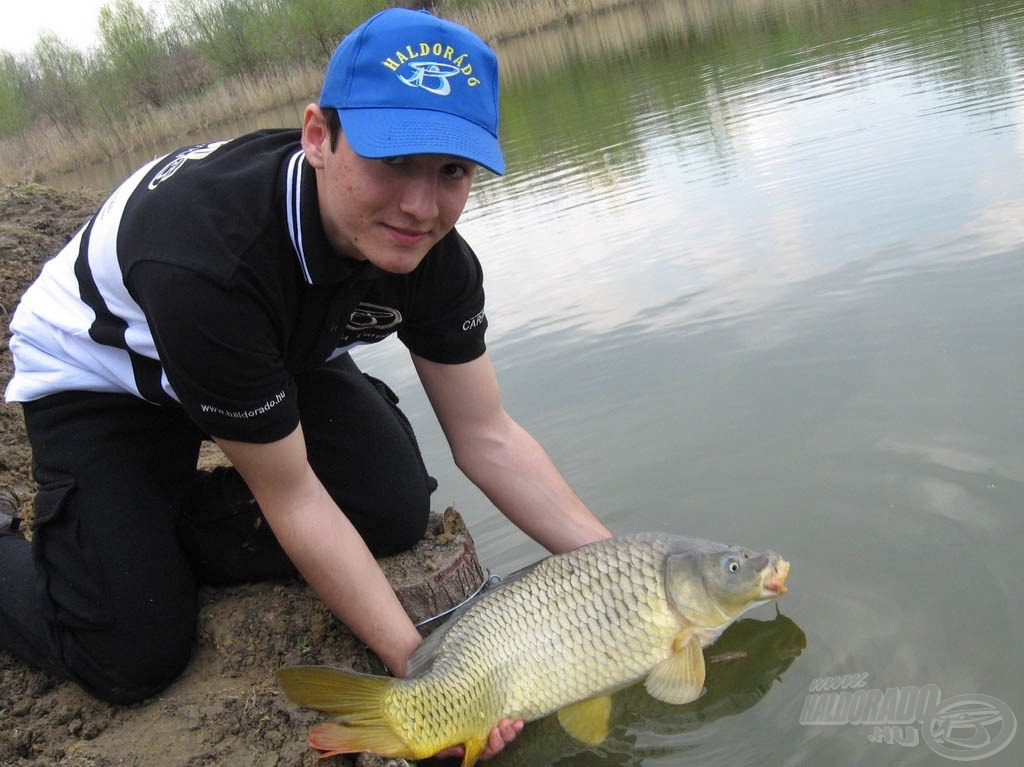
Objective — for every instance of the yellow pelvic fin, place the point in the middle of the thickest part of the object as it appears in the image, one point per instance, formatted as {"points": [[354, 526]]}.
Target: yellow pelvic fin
{"points": [[333, 739], [680, 677], [473, 750], [587, 720]]}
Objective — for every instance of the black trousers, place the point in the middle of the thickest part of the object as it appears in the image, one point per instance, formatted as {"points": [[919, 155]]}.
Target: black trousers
{"points": [[126, 529]]}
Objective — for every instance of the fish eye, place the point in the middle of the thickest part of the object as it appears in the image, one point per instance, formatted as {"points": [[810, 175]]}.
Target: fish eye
{"points": [[731, 564]]}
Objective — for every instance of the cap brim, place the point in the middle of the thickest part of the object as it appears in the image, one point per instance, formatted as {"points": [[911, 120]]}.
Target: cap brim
{"points": [[381, 132]]}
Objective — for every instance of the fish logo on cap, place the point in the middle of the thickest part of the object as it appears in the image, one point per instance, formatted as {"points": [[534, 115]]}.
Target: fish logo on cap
{"points": [[431, 76]]}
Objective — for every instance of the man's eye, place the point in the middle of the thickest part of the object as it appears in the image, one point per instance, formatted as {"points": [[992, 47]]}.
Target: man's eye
{"points": [[453, 170]]}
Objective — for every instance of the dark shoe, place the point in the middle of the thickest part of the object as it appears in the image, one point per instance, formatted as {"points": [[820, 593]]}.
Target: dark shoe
{"points": [[9, 519]]}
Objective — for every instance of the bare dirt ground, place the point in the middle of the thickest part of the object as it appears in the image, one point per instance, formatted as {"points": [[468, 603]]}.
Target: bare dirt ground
{"points": [[226, 709]]}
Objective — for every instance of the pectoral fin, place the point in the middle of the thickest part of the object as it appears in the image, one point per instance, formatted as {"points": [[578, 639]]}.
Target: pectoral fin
{"points": [[587, 720], [680, 677]]}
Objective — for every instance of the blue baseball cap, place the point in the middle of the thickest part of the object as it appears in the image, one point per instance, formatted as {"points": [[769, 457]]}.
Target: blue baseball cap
{"points": [[407, 82]]}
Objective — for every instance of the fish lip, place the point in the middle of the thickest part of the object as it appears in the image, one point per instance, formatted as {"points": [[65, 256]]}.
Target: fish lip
{"points": [[774, 582]]}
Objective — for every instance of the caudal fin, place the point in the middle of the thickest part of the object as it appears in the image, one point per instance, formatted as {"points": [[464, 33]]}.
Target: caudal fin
{"points": [[355, 698]]}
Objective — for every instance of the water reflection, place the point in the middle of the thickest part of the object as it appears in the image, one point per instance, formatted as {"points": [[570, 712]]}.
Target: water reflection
{"points": [[758, 171], [762, 283]]}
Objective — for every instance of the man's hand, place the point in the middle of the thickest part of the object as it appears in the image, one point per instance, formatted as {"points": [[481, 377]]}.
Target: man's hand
{"points": [[503, 734], [324, 545]]}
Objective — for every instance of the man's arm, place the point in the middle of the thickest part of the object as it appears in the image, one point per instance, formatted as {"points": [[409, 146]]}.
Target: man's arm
{"points": [[332, 557], [323, 544], [502, 458]]}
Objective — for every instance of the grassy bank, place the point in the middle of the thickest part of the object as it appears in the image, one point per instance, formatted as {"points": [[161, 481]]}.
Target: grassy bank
{"points": [[46, 149]]}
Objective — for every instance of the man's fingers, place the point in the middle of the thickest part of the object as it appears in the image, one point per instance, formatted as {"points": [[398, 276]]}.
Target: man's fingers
{"points": [[503, 734], [500, 736], [495, 743]]}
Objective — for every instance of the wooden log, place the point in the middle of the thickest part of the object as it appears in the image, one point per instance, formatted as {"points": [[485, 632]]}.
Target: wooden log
{"points": [[439, 573]]}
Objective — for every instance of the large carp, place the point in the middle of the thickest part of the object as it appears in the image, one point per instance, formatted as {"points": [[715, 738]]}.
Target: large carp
{"points": [[560, 635]]}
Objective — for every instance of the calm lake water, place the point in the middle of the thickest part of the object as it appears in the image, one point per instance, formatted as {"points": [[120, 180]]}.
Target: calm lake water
{"points": [[756, 274]]}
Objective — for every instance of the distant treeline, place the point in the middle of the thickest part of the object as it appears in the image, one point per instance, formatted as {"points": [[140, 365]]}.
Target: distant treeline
{"points": [[188, 65], [143, 60]]}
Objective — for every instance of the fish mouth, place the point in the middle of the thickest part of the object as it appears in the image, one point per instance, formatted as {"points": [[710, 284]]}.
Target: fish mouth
{"points": [[775, 578]]}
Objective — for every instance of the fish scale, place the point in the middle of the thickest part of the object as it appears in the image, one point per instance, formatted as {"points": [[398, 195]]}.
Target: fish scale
{"points": [[559, 636], [548, 615]]}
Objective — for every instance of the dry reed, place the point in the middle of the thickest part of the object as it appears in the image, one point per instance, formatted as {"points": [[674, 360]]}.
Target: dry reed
{"points": [[497, 20], [46, 151]]}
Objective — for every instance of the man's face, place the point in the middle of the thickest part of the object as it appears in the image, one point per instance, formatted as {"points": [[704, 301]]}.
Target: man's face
{"points": [[389, 212]]}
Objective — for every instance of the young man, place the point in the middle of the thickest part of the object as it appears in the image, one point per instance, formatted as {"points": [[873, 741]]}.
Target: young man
{"points": [[216, 294]]}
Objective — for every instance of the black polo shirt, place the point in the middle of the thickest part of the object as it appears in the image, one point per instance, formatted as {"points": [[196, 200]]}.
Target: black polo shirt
{"points": [[206, 281]]}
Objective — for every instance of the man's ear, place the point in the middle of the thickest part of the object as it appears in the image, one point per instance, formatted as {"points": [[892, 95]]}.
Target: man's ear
{"points": [[315, 135]]}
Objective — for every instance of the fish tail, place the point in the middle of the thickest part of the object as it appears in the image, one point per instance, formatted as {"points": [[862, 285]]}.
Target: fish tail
{"points": [[358, 701]]}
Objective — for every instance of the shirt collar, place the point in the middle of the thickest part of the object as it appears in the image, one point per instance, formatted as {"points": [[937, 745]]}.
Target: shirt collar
{"points": [[319, 263]]}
